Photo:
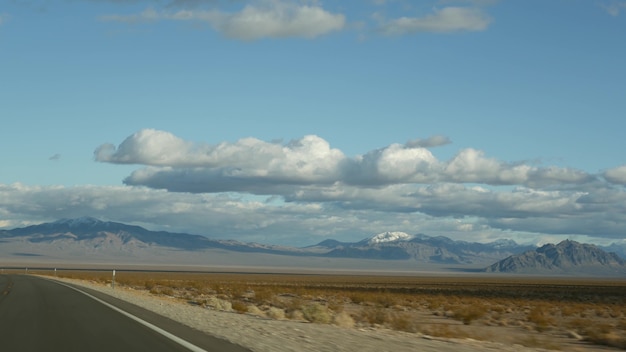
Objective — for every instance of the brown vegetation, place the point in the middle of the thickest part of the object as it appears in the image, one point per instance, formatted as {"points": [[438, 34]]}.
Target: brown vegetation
{"points": [[536, 312]]}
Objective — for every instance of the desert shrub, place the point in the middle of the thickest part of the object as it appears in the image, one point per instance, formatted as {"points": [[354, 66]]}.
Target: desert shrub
{"points": [[239, 307], [604, 334], [385, 300], [295, 315], [578, 324], [403, 322], [534, 342], [344, 320], [252, 309], [316, 313], [219, 304], [160, 290], [539, 316], [263, 295], [443, 330], [358, 297], [468, 313], [336, 305], [374, 315], [276, 313], [292, 304], [149, 284]]}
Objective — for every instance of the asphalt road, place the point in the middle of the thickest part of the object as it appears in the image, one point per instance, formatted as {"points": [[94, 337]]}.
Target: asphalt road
{"points": [[42, 315]]}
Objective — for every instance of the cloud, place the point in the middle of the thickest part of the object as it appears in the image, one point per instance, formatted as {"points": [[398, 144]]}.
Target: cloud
{"points": [[259, 167], [345, 212], [222, 216], [614, 8], [445, 20], [261, 19], [599, 214], [306, 160], [278, 20], [147, 15], [55, 157], [433, 141], [616, 175], [3, 18], [399, 181]]}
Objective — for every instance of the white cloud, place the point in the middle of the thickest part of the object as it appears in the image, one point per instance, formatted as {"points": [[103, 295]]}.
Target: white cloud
{"points": [[261, 19], [616, 175], [255, 166], [307, 160], [614, 8], [3, 18], [278, 19], [400, 181], [219, 216], [445, 20], [350, 213]]}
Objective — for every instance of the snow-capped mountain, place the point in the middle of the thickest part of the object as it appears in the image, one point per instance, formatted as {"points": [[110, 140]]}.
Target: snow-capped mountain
{"points": [[89, 239], [389, 237], [422, 248]]}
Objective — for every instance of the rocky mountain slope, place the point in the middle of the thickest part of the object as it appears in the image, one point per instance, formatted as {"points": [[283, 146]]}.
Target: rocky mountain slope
{"points": [[92, 235], [91, 239], [423, 248], [88, 233], [567, 257]]}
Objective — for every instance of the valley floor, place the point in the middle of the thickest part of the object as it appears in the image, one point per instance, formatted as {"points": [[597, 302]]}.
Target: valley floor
{"points": [[439, 330]]}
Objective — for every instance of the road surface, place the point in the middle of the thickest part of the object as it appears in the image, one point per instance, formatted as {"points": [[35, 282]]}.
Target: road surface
{"points": [[42, 315]]}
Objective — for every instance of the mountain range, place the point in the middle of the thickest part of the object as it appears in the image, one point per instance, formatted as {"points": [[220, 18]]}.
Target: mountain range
{"points": [[88, 239], [567, 257]]}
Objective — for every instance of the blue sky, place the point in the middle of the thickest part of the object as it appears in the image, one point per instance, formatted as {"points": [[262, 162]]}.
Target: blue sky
{"points": [[295, 121]]}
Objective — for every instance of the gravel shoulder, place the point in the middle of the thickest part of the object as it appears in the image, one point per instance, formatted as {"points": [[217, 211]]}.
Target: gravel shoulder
{"points": [[263, 334]]}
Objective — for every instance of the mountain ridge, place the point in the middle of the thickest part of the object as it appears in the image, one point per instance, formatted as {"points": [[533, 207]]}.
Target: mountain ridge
{"points": [[566, 257], [85, 235]]}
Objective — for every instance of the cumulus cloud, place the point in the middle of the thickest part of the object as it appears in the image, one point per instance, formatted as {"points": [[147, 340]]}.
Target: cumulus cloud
{"points": [[306, 160], [616, 175], [260, 167], [279, 19], [400, 181], [445, 20], [468, 212], [260, 19], [222, 216]]}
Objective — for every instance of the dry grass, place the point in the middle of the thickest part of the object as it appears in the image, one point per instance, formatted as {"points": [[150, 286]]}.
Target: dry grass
{"points": [[534, 309]]}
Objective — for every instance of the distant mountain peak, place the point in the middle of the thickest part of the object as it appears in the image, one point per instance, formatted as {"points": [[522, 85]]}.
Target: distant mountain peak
{"points": [[565, 257], [390, 236], [81, 221]]}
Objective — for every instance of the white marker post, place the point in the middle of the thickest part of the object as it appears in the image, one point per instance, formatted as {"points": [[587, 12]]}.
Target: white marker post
{"points": [[55, 272], [113, 282]]}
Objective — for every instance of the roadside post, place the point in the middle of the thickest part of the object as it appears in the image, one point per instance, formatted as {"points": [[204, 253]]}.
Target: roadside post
{"points": [[113, 282]]}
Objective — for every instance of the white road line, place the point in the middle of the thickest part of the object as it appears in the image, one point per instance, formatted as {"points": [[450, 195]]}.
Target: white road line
{"points": [[172, 337]]}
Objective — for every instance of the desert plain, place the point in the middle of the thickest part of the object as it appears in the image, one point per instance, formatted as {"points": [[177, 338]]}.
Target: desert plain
{"points": [[521, 312]]}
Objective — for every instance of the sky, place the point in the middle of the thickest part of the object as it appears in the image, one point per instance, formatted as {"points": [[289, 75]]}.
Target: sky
{"points": [[291, 122]]}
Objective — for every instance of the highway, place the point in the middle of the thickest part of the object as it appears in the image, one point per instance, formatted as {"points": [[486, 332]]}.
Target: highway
{"points": [[39, 315]]}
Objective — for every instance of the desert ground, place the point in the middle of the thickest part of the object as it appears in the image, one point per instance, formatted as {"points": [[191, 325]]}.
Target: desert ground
{"points": [[289, 312]]}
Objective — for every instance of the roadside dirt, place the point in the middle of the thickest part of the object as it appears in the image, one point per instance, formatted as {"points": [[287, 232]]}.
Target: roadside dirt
{"points": [[260, 333]]}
